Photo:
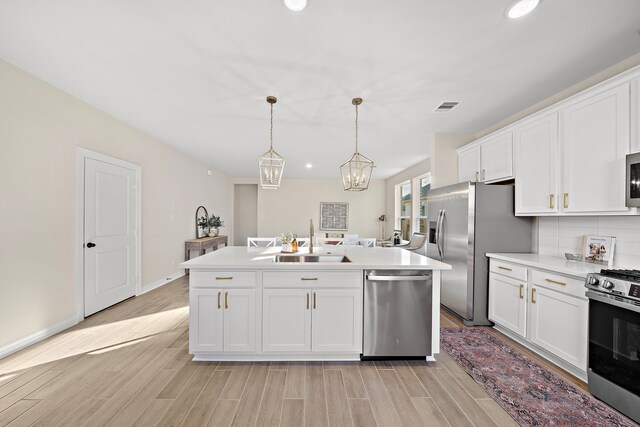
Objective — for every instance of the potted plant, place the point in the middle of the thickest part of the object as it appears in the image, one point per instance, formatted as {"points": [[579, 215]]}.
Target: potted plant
{"points": [[215, 223], [286, 239], [203, 223]]}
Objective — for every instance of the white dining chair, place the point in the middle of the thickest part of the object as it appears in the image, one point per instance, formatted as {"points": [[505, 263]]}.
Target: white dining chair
{"points": [[350, 240], [261, 242], [328, 241], [368, 242]]}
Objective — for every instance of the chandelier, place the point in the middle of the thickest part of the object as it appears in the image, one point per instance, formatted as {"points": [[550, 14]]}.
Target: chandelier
{"points": [[271, 163], [356, 172]]}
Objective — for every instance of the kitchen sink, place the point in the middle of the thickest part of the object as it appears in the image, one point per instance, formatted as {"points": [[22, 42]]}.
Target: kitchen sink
{"points": [[311, 258]]}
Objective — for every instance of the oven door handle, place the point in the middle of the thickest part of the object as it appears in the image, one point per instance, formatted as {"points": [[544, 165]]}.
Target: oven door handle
{"points": [[605, 299]]}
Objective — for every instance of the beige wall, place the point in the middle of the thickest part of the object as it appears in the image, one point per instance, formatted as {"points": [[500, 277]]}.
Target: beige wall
{"points": [[444, 159], [585, 84], [391, 182], [245, 212], [297, 200], [40, 130]]}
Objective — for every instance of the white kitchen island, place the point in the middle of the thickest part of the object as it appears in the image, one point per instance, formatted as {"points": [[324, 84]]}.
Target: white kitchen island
{"points": [[245, 306]]}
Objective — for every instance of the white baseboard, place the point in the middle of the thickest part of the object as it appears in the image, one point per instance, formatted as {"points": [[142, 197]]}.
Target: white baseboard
{"points": [[12, 347], [155, 285]]}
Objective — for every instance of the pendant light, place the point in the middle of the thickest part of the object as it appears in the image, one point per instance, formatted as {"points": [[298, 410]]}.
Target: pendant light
{"points": [[271, 163], [356, 172]]}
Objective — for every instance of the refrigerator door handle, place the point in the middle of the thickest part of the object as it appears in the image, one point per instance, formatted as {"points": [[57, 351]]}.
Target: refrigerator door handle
{"points": [[438, 233], [440, 241]]}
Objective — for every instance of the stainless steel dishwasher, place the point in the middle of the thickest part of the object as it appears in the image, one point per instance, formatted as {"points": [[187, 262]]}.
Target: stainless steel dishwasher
{"points": [[397, 314]]}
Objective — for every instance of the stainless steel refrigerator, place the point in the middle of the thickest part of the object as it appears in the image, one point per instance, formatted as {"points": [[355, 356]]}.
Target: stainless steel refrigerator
{"points": [[466, 221]]}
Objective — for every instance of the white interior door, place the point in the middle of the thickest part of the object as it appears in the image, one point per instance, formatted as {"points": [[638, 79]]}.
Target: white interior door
{"points": [[109, 235]]}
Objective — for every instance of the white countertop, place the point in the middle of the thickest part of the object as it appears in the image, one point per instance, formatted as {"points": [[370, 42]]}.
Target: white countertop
{"points": [[549, 262], [361, 258]]}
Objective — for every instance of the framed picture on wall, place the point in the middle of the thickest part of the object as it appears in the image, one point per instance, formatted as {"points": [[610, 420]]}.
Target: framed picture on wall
{"points": [[334, 216]]}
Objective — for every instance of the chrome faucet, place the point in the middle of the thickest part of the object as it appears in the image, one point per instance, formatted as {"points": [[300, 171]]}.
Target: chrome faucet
{"points": [[311, 236]]}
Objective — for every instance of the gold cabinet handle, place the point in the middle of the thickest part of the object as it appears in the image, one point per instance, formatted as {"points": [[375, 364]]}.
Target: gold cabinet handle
{"points": [[314, 300], [224, 278], [505, 268], [551, 197], [219, 293], [556, 282], [307, 300], [520, 292], [226, 300], [533, 295], [566, 200], [308, 278]]}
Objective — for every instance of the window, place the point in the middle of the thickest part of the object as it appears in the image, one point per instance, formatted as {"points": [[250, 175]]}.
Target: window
{"points": [[424, 184], [404, 217], [411, 206]]}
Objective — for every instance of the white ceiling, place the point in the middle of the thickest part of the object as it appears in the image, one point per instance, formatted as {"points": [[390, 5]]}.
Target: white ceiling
{"points": [[195, 73]]}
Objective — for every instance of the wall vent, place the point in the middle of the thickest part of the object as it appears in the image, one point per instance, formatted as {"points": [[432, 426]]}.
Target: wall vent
{"points": [[446, 106]]}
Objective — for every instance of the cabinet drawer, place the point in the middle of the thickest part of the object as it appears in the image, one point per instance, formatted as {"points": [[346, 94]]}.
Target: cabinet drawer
{"points": [[221, 279], [558, 282], [517, 272], [312, 279]]}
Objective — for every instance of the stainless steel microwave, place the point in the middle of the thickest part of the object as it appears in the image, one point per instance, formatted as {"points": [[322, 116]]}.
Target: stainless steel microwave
{"points": [[632, 190]]}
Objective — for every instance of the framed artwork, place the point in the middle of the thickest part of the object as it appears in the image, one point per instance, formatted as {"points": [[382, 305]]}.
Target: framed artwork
{"points": [[334, 216], [599, 249]]}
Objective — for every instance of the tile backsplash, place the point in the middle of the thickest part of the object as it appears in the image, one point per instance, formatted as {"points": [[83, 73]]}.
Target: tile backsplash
{"points": [[557, 235]]}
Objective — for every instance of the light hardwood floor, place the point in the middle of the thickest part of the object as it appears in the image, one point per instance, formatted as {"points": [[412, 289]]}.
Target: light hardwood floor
{"points": [[129, 365]]}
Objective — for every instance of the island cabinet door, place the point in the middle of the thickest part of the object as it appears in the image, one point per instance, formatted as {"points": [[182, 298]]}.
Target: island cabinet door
{"points": [[508, 303], [558, 323], [286, 320], [239, 320], [206, 320], [336, 320]]}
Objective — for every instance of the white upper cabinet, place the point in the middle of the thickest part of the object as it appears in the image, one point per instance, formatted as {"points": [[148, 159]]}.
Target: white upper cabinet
{"points": [[595, 139], [536, 165], [496, 158], [469, 165], [488, 160]]}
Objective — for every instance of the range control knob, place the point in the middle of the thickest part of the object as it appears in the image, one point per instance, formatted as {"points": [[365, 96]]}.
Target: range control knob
{"points": [[593, 281], [607, 284]]}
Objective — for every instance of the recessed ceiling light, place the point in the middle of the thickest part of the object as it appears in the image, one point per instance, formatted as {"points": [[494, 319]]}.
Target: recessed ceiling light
{"points": [[295, 5], [309, 165], [521, 8]]}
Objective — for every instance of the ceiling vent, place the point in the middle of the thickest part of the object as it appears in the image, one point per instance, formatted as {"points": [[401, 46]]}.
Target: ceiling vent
{"points": [[445, 106]]}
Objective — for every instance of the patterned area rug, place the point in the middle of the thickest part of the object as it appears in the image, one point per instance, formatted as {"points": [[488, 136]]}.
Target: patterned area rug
{"points": [[532, 395]]}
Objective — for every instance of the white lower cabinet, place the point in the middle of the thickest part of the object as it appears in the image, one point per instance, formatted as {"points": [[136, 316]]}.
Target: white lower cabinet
{"points": [[206, 327], [336, 320], [547, 312], [557, 323], [312, 320], [222, 320], [240, 320], [507, 303], [286, 320]]}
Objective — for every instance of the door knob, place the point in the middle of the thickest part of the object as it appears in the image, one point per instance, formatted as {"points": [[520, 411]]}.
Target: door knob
{"points": [[90, 245]]}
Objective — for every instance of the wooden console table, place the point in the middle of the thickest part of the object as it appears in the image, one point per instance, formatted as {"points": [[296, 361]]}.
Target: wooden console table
{"points": [[201, 245]]}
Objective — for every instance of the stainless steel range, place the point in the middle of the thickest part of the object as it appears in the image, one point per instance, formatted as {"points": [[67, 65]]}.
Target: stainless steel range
{"points": [[614, 339]]}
